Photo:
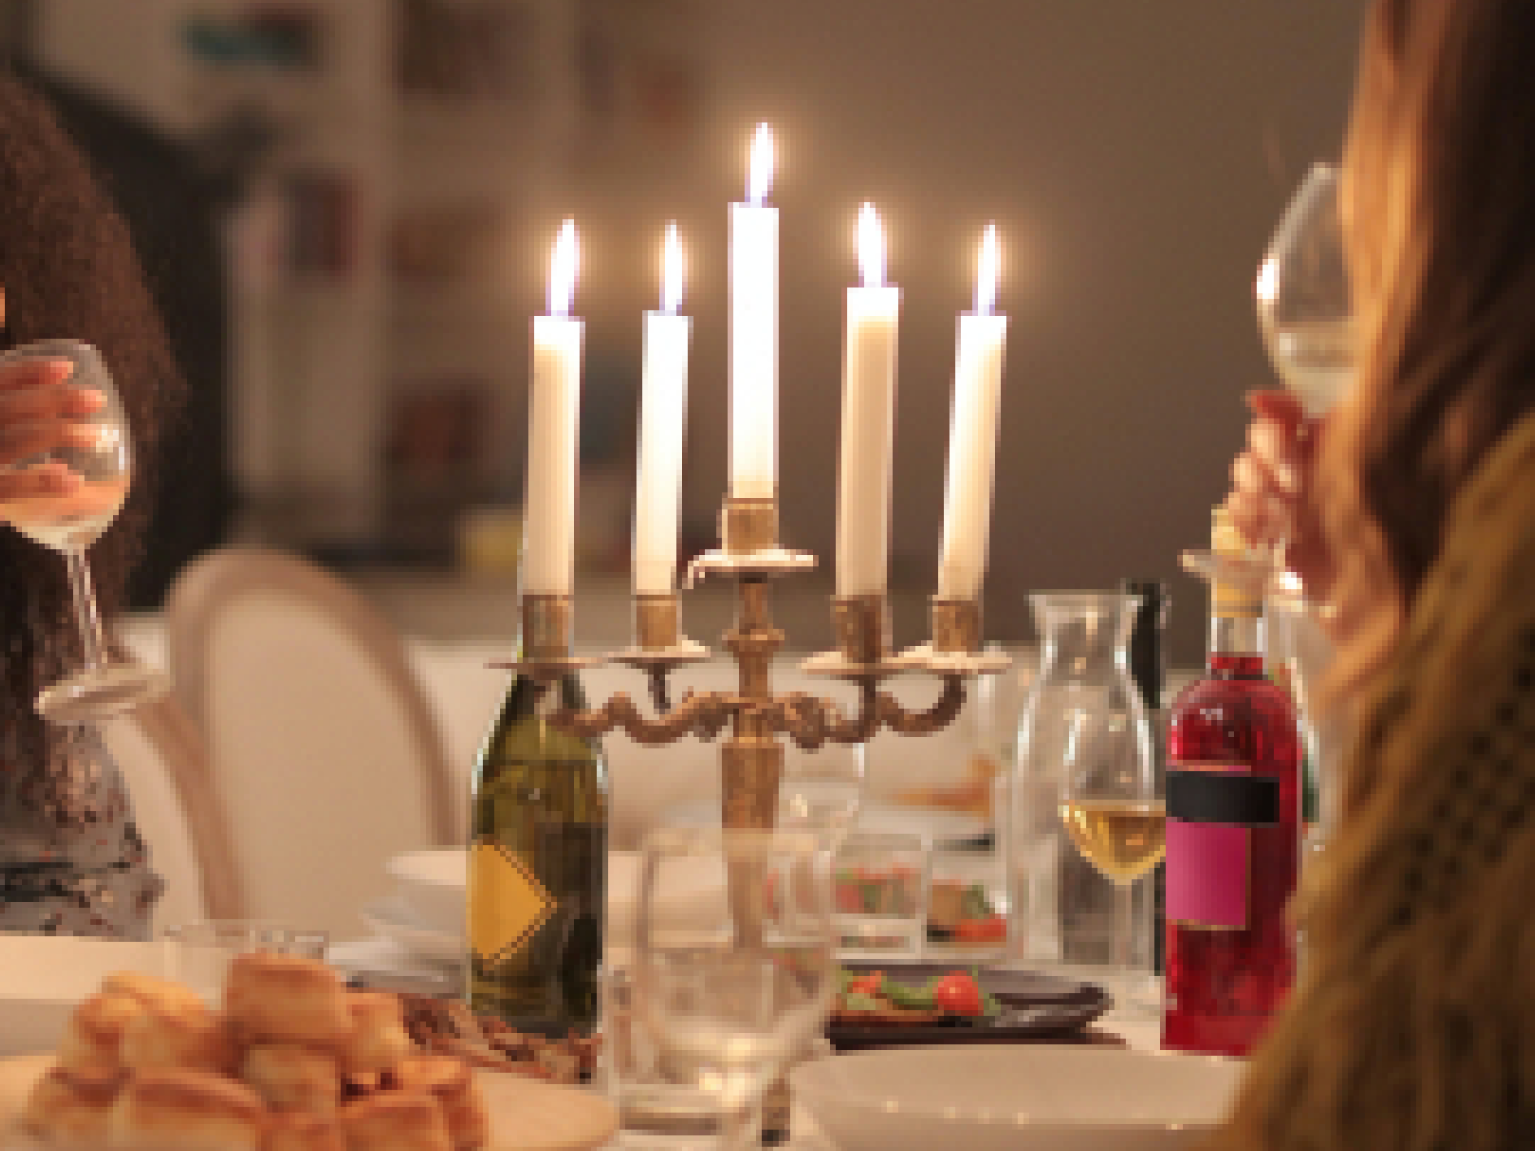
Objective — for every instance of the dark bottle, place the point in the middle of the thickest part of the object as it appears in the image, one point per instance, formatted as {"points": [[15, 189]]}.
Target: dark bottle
{"points": [[1147, 655], [537, 865]]}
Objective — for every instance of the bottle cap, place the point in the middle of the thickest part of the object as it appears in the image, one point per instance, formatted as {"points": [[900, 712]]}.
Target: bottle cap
{"points": [[1230, 599]]}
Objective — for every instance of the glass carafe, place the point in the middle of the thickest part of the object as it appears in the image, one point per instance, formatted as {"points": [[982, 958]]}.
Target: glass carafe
{"points": [[1082, 714]]}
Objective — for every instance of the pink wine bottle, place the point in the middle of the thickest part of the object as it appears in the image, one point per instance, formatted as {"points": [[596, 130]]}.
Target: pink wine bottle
{"points": [[1233, 834]]}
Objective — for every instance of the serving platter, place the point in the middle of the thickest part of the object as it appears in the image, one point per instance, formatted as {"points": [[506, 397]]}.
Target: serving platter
{"points": [[1034, 1007], [525, 1114]]}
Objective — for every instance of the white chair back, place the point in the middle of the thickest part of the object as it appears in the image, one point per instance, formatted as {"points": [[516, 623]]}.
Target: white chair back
{"points": [[325, 751], [177, 812]]}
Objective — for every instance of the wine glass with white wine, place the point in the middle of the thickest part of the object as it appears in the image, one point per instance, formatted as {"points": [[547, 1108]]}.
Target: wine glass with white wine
{"points": [[100, 452], [1113, 805], [1305, 308], [1306, 314]]}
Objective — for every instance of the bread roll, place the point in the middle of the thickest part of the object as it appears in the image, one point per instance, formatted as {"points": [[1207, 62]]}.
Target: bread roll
{"points": [[293, 1078], [93, 1034], [395, 1121], [152, 991], [186, 1109], [451, 1082], [192, 1039], [71, 1107], [378, 1040], [287, 998], [298, 1131]]}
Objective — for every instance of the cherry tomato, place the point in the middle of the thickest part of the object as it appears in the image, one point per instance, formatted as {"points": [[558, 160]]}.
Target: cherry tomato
{"points": [[958, 994], [992, 929], [866, 984]]}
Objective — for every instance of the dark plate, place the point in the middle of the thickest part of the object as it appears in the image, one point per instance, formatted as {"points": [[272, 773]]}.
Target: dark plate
{"points": [[1034, 1007]]}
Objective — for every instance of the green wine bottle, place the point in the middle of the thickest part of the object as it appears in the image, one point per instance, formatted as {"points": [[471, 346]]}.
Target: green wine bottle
{"points": [[537, 865]]}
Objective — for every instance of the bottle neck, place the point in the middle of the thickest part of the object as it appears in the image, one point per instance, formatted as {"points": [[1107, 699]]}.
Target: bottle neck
{"points": [[1236, 643]]}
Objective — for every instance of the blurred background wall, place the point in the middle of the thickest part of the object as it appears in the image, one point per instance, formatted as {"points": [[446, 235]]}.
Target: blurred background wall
{"points": [[392, 172]]}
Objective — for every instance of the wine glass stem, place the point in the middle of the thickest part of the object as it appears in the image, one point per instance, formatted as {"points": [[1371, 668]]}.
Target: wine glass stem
{"points": [[92, 641], [1123, 925]]}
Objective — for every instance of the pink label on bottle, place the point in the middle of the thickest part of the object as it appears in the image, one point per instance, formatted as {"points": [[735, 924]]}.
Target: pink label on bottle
{"points": [[1207, 866]]}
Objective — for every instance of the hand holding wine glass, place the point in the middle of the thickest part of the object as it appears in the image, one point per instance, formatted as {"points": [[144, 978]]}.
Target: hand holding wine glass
{"points": [[66, 463]]}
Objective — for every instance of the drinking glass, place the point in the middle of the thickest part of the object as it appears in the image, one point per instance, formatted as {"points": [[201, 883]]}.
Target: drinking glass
{"points": [[1305, 309], [822, 791], [1085, 773], [70, 523], [1306, 314], [737, 992]]}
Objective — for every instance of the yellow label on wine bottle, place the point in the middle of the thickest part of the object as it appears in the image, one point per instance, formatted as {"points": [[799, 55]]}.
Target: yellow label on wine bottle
{"points": [[507, 903]]}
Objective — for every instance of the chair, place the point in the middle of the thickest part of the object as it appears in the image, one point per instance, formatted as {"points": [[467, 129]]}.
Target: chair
{"points": [[177, 812], [323, 746]]}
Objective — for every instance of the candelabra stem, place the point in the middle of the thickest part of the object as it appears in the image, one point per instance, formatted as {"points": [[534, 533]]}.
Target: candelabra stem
{"points": [[752, 758]]}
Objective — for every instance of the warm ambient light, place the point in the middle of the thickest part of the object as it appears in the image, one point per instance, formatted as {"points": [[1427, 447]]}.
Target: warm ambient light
{"points": [[871, 247], [760, 177], [671, 272], [562, 270], [986, 273]]}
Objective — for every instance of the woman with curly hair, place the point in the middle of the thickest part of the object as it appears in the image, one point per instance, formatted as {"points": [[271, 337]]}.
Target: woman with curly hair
{"points": [[71, 860], [1413, 514]]}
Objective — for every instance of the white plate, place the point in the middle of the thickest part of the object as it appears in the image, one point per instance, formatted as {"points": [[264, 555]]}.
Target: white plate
{"points": [[393, 919], [47, 975], [939, 825], [525, 1114], [1024, 1098], [432, 881], [444, 873]]}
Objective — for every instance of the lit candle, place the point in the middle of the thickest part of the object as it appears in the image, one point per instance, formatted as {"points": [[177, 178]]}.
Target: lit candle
{"points": [[663, 409], [549, 507], [868, 419], [973, 435], [754, 332]]}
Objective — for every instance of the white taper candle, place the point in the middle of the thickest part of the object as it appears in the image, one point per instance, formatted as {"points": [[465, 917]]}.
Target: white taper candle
{"points": [[868, 419], [663, 415], [549, 510], [973, 436]]}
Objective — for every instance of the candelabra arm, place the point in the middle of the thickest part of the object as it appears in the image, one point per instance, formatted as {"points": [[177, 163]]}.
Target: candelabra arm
{"points": [[943, 712], [811, 721], [704, 714]]}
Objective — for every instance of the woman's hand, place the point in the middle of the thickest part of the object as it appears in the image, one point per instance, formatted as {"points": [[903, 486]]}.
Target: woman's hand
{"points": [[1272, 493]]}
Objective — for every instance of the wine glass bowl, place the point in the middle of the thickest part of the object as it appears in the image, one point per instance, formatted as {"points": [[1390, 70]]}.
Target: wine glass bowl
{"points": [[738, 990], [1305, 307], [97, 448]]}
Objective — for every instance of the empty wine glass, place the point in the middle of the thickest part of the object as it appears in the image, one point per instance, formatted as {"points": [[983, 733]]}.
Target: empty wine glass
{"points": [[734, 993], [70, 522]]}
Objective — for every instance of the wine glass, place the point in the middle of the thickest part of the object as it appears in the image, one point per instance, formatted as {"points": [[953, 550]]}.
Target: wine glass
{"points": [[735, 991], [1305, 308], [70, 522], [1306, 315], [1113, 805]]}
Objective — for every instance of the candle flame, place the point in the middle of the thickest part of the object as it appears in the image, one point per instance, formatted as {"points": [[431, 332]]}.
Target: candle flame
{"points": [[760, 177], [986, 273], [562, 270], [671, 271], [1268, 281], [871, 247]]}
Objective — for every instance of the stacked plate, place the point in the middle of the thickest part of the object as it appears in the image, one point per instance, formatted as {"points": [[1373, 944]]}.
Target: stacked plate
{"points": [[424, 916]]}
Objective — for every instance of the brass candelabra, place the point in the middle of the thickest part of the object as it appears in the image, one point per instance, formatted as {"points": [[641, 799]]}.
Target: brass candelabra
{"points": [[752, 757]]}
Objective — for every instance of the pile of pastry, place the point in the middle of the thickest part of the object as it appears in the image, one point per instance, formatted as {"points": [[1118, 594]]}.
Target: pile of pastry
{"points": [[292, 1062]]}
